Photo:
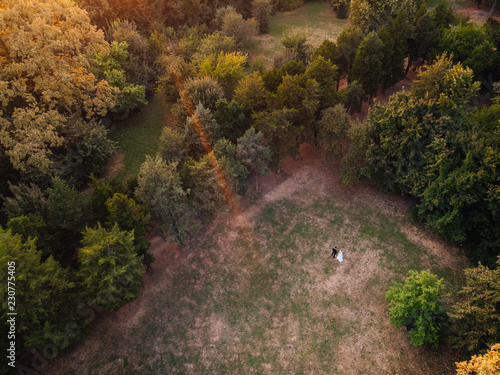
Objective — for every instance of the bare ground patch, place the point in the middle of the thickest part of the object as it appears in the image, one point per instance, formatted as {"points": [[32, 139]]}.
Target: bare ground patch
{"points": [[262, 295]]}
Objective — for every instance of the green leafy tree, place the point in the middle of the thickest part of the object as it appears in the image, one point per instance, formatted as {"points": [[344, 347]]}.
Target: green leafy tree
{"points": [[471, 46], [85, 151], [101, 192], [231, 119], [25, 200], [253, 153], [290, 93], [243, 31], [226, 68], [352, 96], [273, 78], [427, 144], [327, 76], [367, 66], [341, 8], [129, 216], [67, 215], [42, 293], [442, 15], [295, 42], [214, 44], [45, 78], [251, 93], [394, 37], [204, 90], [226, 149], [371, 15], [275, 125], [329, 51], [424, 42], [160, 188], [418, 301], [143, 52], [172, 146], [56, 215], [201, 122], [261, 10], [115, 67], [476, 318], [492, 28], [348, 43], [211, 184], [333, 125], [110, 272]]}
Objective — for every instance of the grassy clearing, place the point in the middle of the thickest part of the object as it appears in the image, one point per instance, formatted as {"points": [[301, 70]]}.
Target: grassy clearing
{"points": [[268, 299], [138, 135], [316, 18]]}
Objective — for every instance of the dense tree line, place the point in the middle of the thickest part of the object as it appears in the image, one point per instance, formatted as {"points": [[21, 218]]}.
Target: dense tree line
{"points": [[232, 117]]}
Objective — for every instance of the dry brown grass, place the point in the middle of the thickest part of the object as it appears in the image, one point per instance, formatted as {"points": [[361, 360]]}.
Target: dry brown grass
{"points": [[261, 295]]}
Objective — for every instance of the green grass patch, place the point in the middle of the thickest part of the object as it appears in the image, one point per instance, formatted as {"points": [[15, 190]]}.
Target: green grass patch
{"points": [[270, 299], [316, 18], [139, 135]]}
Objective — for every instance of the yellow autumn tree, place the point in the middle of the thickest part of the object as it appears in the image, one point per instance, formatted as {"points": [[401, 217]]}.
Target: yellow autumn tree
{"points": [[487, 364], [45, 81]]}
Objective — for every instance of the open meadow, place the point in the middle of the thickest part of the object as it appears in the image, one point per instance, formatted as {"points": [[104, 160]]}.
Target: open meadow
{"points": [[257, 291], [316, 18]]}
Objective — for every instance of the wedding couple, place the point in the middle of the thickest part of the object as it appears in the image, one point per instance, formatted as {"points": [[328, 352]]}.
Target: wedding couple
{"points": [[339, 256]]}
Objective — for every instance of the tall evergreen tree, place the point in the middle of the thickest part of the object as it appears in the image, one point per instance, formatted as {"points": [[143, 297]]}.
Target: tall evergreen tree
{"points": [[253, 153], [367, 66], [161, 190], [110, 272]]}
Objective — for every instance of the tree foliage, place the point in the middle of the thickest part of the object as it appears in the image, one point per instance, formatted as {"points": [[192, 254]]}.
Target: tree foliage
{"points": [[231, 119], [201, 122], [471, 46], [327, 76], [42, 290], [368, 63], [427, 144], [172, 146], [476, 318], [45, 78], [418, 301], [116, 68], [348, 43], [129, 216], [225, 149], [211, 183], [251, 93], [204, 90], [277, 127], [333, 127], [486, 364], [261, 10], [371, 15], [243, 31], [253, 153], [226, 68], [161, 190], [288, 4], [110, 271], [56, 215]]}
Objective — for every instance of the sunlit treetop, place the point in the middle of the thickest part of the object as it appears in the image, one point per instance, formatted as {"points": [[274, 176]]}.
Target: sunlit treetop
{"points": [[45, 78]]}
